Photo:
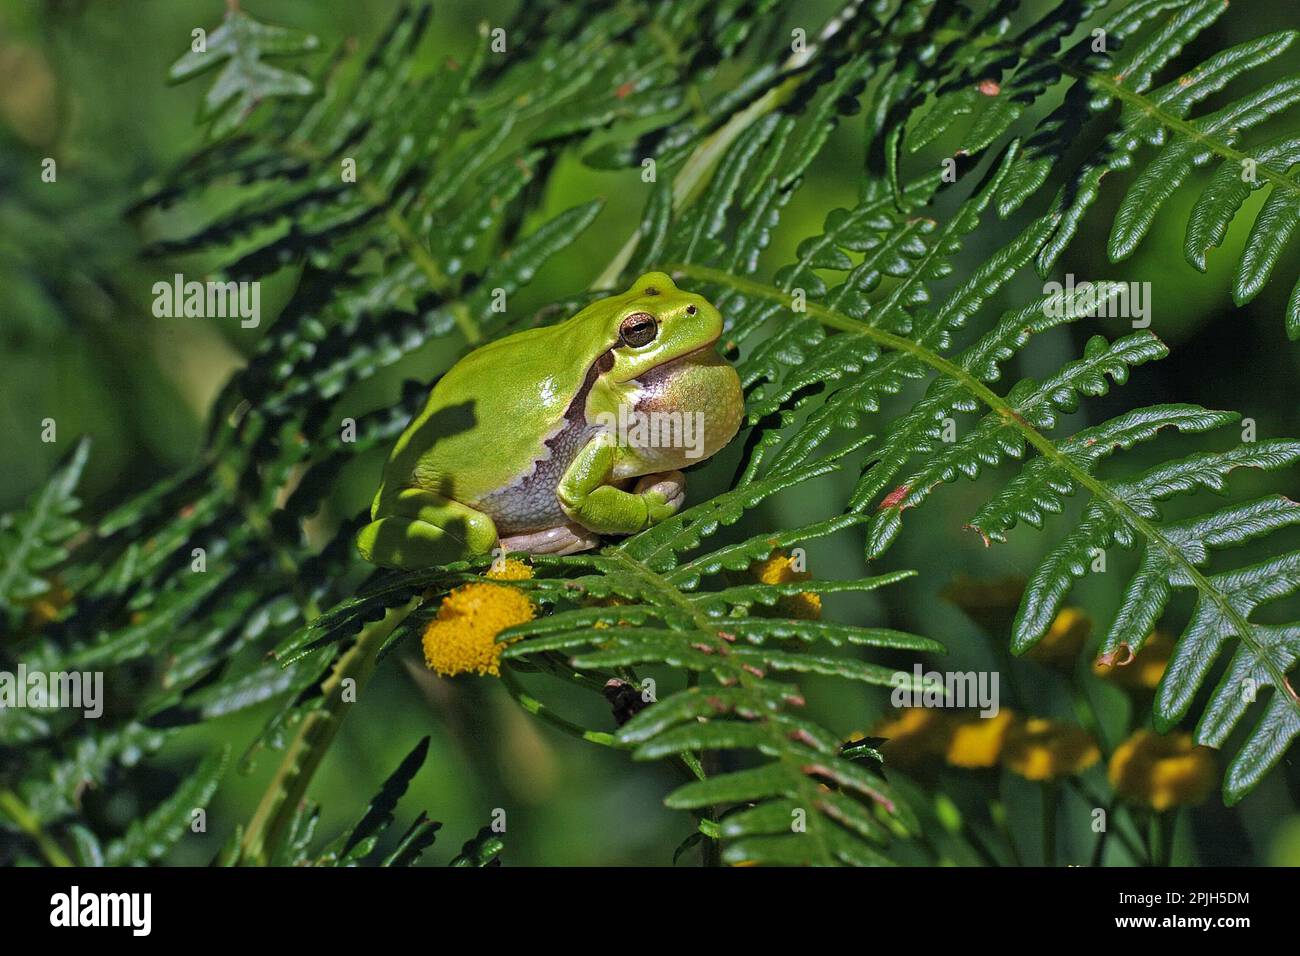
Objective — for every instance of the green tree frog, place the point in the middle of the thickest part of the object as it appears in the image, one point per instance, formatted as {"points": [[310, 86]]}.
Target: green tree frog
{"points": [[546, 439]]}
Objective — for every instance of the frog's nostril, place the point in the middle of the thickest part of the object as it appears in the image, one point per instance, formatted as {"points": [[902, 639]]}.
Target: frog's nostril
{"points": [[650, 290], [690, 310]]}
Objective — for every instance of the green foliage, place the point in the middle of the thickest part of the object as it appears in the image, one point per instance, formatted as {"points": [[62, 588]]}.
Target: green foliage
{"points": [[180, 594], [246, 79], [1120, 65], [150, 838], [725, 637], [358, 844], [35, 540]]}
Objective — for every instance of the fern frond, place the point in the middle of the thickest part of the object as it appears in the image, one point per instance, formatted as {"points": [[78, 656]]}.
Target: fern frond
{"points": [[482, 849], [242, 44], [799, 359], [897, 301], [359, 841], [149, 838], [666, 616], [34, 541], [1161, 117], [1120, 511], [995, 78]]}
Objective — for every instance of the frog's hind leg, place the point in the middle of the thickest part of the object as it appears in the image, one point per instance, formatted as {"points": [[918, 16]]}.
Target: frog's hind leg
{"points": [[423, 529]]}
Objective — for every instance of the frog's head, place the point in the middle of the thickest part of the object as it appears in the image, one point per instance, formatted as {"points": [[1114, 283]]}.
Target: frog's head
{"points": [[654, 323], [663, 365]]}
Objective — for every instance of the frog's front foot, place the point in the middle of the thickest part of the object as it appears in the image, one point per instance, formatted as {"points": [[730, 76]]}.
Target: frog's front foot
{"points": [[563, 539]]}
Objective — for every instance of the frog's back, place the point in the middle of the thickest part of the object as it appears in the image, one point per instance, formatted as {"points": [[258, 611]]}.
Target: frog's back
{"points": [[488, 419]]}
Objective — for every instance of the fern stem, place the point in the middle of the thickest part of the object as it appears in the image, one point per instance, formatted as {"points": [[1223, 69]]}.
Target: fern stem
{"points": [[1096, 487], [998, 814], [1163, 825], [303, 756], [705, 624], [1134, 845], [1099, 848], [12, 806], [688, 761], [711, 851], [1177, 123], [540, 710]]}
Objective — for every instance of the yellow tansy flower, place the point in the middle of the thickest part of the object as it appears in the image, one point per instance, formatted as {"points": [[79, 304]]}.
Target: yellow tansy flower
{"points": [[1063, 641], [462, 638], [977, 741], [917, 733], [1141, 671], [510, 570], [1042, 749], [779, 569], [1162, 770]]}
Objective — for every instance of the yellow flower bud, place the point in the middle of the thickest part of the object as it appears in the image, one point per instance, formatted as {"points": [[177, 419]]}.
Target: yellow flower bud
{"points": [[779, 569], [462, 638]]}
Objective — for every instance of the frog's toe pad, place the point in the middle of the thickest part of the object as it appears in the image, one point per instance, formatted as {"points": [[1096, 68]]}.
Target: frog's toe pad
{"points": [[670, 485], [563, 539]]}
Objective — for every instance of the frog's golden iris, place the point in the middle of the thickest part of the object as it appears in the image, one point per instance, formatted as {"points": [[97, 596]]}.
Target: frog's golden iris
{"points": [[509, 451]]}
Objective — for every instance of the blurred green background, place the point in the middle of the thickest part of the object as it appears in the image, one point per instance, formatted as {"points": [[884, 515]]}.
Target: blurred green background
{"points": [[83, 82]]}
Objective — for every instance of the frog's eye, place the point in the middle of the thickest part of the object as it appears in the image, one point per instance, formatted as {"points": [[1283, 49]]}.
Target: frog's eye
{"points": [[638, 329]]}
